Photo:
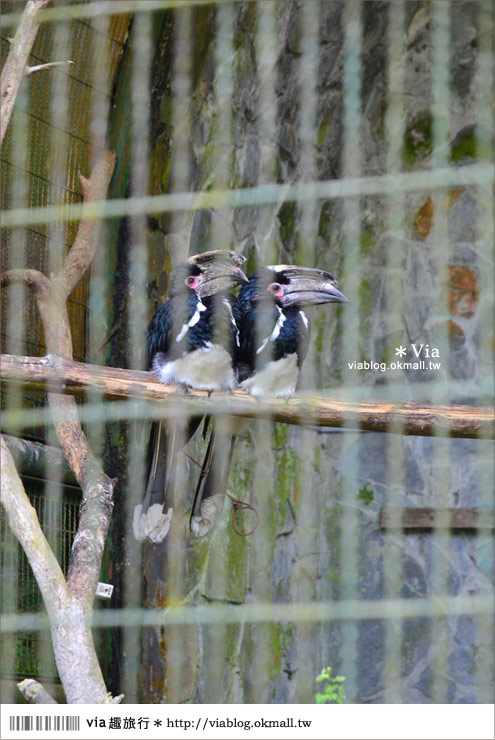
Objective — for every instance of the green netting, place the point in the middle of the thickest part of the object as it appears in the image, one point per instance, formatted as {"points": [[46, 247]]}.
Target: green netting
{"points": [[42, 155], [30, 653]]}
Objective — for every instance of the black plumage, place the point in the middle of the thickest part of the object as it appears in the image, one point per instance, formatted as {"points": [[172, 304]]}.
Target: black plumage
{"points": [[167, 336], [274, 335], [191, 341], [268, 332]]}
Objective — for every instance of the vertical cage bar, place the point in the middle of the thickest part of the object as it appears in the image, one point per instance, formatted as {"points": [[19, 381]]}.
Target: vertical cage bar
{"points": [[181, 225], [394, 544], [350, 525], [98, 47], [308, 504], [441, 390], [217, 637], [181, 90], [17, 140], [56, 245], [136, 334], [262, 635], [266, 44], [483, 641]]}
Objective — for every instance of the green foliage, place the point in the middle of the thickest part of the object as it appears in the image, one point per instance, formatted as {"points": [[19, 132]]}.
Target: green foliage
{"points": [[333, 691], [287, 219], [279, 435], [367, 239], [366, 297], [465, 147], [418, 140], [366, 495], [471, 146]]}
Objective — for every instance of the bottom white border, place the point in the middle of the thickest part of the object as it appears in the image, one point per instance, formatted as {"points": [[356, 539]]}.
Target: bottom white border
{"points": [[270, 721]]}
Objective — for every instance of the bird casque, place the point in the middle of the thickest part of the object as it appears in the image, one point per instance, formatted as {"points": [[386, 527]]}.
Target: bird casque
{"points": [[191, 342], [274, 335]]}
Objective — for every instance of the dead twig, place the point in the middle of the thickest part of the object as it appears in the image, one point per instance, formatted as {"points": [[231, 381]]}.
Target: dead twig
{"points": [[15, 67], [48, 65]]}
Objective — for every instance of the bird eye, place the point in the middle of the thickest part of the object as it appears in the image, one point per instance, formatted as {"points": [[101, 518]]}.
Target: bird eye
{"points": [[276, 289], [191, 281]]}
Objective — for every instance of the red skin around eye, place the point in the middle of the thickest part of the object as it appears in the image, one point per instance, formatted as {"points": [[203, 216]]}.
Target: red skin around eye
{"points": [[192, 282], [276, 289]]}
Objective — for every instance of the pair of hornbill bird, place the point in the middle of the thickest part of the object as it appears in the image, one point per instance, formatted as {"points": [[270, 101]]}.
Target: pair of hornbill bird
{"points": [[207, 338]]}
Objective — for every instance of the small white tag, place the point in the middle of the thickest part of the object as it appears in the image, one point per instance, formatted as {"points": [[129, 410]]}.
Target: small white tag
{"points": [[104, 590]]}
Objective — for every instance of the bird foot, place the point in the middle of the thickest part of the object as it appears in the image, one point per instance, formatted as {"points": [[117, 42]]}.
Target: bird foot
{"points": [[180, 390], [152, 525], [210, 510]]}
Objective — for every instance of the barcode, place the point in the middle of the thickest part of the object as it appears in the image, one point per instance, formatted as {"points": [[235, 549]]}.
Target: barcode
{"points": [[48, 724]]}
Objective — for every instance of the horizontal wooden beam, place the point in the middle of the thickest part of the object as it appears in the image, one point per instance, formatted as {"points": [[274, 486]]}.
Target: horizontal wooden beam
{"points": [[52, 373], [430, 518]]}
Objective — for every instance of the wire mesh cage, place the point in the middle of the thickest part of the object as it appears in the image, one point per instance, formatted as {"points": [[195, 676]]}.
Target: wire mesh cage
{"points": [[20, 593], [353, 137]]}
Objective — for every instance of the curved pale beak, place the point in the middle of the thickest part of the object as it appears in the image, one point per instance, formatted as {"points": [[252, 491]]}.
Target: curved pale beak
{"points": [[220, 269], [308, 286]]}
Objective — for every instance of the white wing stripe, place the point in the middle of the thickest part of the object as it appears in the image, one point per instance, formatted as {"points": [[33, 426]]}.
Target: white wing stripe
{"points": [[275, 333], [200, 307], [227, 304]]}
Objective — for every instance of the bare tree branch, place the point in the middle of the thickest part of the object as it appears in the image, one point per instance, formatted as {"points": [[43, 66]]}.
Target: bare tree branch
{"points": [[69, 603], [51, 297], [303, 408], [48, 65], [24, 523], [15, 66], [39, 460], [86, 241], [35, 278], [75, 655], [34, 692], [71, 633]]}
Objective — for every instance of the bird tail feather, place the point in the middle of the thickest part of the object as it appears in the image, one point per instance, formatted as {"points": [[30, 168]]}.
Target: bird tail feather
{"points": [[212, 484], [152, 518], [151, 521]]}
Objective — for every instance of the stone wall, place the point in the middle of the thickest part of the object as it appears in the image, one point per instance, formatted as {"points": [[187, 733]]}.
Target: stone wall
{"points": [[318, 495]]}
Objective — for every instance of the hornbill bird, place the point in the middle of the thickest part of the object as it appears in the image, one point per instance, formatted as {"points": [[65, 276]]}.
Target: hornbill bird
{"points": [[191, 341], [274, 334]]}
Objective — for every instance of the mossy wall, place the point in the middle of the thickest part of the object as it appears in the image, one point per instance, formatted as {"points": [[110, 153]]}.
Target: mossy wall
{"points": [[302, 482]]}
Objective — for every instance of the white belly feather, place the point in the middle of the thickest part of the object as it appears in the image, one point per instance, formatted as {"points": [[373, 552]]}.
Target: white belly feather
{"points": [[278, 378], [208, 368]]}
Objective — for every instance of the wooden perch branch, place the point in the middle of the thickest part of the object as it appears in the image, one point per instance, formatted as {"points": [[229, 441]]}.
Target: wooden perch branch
{"points": [[15, 66], [43, 373]]}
